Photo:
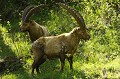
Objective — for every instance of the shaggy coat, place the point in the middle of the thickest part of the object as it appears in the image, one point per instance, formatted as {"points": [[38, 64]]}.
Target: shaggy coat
{"points": [[61, 46], [35, 30]]}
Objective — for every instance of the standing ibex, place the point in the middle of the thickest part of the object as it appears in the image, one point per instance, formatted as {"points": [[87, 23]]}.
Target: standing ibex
{"points": [[62, 46], [35, 30]]}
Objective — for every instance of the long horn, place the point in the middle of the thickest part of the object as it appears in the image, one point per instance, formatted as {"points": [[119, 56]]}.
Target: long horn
{"points": [[75, 14], [26, 10], [33, 10]]}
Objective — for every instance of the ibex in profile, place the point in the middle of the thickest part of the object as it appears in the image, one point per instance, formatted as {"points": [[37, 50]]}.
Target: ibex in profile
{"points": [[35, 30], [62, 46]]}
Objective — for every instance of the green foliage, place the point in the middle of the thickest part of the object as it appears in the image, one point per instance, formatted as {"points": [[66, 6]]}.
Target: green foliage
{"points": [[96, 58], [12, 9]]}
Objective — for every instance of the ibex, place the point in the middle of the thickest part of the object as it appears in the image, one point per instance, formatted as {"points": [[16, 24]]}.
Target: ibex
{"points": [[35, 30], [62, 46]]}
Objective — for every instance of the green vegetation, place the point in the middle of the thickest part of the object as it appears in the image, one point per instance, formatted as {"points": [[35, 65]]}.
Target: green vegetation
{"points": [[98, 57]]}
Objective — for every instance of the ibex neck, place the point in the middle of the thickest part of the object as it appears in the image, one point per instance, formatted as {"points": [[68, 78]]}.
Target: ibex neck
{"points": [[76, 38], [73, 39], [33, 31], [75, 35], [33, 25]]}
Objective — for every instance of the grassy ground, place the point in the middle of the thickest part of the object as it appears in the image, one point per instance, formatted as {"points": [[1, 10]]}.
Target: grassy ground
{"points": [[97, 58], [50, 70], [84, 68]]}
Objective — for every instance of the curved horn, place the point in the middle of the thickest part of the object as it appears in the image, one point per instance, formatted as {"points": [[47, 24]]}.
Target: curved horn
{"points": [[75, 14], [33, 10], [26, 10]]}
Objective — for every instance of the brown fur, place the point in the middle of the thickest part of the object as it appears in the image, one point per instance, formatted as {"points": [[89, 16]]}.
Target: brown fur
{"points": [[35, 30], [61, 46]]}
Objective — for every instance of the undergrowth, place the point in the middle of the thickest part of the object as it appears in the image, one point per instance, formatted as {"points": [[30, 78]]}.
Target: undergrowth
{"points": [[96, 58]]}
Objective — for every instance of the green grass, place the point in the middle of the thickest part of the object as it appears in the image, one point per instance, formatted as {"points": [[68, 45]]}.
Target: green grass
{"points": [[50, 70], [96, 58]]}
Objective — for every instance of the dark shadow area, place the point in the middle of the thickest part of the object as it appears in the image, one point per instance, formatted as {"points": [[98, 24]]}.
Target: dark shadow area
{"points": [[9, 62], [14, 9]]}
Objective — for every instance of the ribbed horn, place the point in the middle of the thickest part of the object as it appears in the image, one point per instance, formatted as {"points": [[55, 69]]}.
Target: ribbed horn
{"points": [[75, 14], [31, 11], [26, 10]]}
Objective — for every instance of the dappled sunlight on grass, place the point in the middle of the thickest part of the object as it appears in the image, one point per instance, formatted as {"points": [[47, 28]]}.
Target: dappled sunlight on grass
{"points": [[16, 44], [97, 58]]}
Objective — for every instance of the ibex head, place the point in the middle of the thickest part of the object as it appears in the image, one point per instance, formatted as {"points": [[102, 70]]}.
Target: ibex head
{"points": [[28, 11], [82, 28]]}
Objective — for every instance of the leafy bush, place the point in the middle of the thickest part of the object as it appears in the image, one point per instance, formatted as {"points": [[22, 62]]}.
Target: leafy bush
{"points": [[95, 58]]}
